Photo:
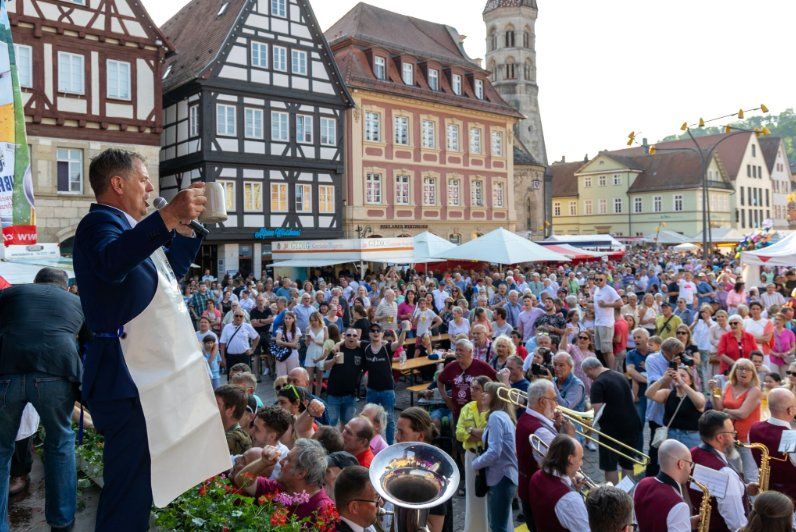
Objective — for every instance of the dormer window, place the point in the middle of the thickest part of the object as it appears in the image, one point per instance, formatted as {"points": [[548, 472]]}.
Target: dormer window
{"points": [[433, 79], [479, 89], [408, 73], [379, 68], [457, 84]]}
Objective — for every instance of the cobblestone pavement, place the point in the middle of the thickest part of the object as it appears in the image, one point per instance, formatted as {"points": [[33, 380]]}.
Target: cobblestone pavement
{"points": [[28, 514]]}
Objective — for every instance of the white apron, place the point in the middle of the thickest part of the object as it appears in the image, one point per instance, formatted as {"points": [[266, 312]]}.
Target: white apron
{"points": [[187, 444]]}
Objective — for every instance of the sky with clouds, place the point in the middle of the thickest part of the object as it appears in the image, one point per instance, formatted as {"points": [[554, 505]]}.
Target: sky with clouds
{"points": [[606, 68]]}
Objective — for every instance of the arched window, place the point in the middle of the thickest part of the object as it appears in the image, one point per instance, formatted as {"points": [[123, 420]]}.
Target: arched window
{"points": [[527, 70], [510, 71], [493, 70], [493, 39], [526, 38], [510, 36]]}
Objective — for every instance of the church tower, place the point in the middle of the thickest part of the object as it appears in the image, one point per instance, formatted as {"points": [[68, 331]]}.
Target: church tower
{"points": [[511, 57]]}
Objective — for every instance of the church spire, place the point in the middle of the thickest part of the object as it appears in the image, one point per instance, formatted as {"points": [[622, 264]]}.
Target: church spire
{"points": [[491, 5]]}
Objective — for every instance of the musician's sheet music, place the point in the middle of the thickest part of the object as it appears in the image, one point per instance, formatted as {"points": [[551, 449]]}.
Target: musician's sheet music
{"points": [[788, 442], [716, 481], [626, 484]]}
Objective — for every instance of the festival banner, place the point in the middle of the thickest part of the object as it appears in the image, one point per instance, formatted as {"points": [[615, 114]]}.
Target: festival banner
{"points": [[16, 182]]}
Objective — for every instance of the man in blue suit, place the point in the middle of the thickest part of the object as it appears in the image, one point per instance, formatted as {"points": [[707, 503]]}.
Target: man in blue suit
{"points": [[117, 281]]}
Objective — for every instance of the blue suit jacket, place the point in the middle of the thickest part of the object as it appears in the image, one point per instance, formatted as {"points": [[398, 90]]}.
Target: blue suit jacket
{"points": [[117, 281]]}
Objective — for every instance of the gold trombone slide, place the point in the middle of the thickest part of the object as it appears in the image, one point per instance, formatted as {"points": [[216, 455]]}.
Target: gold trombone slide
{"points": [[583, 420]]}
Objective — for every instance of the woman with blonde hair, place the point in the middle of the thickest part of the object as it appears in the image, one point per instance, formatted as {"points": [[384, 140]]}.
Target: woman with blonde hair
{"points": [[741, 400], [316, 335], [502, 349]]}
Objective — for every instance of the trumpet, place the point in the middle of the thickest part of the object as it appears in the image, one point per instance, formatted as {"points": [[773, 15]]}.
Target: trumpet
{"points": [[584, 420], [539, 445]]}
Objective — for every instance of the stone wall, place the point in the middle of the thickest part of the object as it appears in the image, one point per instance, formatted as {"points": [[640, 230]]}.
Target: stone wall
{"points": [[58, 213]]}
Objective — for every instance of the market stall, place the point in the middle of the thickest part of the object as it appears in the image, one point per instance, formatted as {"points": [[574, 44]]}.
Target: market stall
{"points": [[502, 247]]}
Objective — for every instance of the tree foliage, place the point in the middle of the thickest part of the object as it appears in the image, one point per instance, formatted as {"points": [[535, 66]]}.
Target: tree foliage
{"points": [[782, 125]]}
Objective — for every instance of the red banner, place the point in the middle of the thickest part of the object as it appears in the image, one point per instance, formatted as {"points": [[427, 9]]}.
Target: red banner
{"points": [[19, 235]]}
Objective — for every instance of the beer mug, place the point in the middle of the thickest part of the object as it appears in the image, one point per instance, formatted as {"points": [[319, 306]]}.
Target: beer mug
{"points": [[216, 206]]}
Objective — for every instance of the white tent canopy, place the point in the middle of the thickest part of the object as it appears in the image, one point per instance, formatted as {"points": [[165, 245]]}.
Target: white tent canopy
{"points": [[685, 246], [783, 253], [428, 246], [666, 237], [502, 247], [20, 272], [719, 234]]}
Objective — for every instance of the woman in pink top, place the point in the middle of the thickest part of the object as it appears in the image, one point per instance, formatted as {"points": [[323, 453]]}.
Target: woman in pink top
{"points": [[406, 310], [735, 297], [784, 345], [580, 350], [214, 315]]}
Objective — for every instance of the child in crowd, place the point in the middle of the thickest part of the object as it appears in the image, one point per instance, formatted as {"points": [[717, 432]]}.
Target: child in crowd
{"points": [[210, 352]]}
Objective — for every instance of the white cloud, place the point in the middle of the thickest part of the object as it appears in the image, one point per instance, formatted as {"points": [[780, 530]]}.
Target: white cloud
{"points": [[606, 68]]}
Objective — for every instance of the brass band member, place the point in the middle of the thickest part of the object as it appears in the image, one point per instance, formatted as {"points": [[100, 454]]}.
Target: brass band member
{"points": [[610, 510], [659, 502], [718, 439], [782, 404], [556, 504], [539, 418]]}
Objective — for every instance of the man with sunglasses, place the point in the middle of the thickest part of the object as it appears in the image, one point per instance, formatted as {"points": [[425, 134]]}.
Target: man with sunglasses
{"points": [[718, 441], [377, 361], [357, 501], [659, 501]]}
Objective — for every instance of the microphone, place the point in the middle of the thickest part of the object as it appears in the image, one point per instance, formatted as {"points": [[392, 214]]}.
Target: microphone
{"points": [[198, 228]]}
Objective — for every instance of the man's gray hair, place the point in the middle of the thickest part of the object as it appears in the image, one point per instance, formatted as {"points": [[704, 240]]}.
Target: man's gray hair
{"points": [[514, 292], [465, 344], [537, 390], [641, 331], [566, 357], [311, 459], [380, 414], [54, 276], [590, 363]]}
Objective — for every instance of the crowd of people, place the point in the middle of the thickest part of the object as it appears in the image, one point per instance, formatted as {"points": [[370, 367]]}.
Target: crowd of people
{"points": [[659, 343]]}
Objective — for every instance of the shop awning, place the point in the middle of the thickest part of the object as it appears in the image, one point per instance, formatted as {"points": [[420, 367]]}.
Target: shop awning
{"points": [[575, 253], [22, 272], [308, 263]]}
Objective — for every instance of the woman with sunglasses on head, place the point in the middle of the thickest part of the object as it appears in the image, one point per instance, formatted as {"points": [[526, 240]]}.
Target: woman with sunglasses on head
{"points": [[735, 344], [683, 404], [296, 402], [288, 335], [683, 333], [741, 399], [580, 351]]}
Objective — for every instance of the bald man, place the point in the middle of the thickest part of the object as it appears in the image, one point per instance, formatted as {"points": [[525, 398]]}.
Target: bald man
{"points": [[658, 500], [300, 378], [782, 404]]}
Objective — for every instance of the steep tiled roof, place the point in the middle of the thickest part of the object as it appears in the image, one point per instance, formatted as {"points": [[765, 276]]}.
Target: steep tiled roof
{"points": [[197, 32], [491, 5], [564, 181], [770, 146], [669, 171], [729, 148], [399, 32], [367, 26]]}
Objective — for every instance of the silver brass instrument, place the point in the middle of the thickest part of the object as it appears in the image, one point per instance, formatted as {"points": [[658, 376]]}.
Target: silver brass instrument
{"points": [[539, 445], [414, 477], [583, 420]]}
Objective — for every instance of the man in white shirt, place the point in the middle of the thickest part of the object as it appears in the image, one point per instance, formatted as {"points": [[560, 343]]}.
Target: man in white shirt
{"points": [[356, 500], [235, 339], [688, 290], [771, 297], [606, 299], [440, 295], [718, 439], [661, 497]]}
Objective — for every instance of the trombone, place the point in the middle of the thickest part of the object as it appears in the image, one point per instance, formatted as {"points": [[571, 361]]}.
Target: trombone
{"points": [[539, 445], [584, 420]]}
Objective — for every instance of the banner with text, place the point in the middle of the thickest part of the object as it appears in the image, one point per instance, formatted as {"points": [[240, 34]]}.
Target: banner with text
{"points": [[16, 182]]}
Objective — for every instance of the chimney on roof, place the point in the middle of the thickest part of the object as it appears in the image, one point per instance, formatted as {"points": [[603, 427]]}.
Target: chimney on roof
{"points": [[563, 158], [586, 158], [644, 141], [478, 61], [462, 38]]}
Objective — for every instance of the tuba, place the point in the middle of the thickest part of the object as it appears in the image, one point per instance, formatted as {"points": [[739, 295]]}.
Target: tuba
{"points": [[414, 477]]}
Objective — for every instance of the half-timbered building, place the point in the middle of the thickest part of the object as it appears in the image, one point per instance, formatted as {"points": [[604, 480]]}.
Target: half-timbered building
{"points": [[90, 72], [253, 100], [430, 143]]}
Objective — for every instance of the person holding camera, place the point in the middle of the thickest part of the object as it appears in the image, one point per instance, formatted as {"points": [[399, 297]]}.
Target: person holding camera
{"points": [[682, 403]]}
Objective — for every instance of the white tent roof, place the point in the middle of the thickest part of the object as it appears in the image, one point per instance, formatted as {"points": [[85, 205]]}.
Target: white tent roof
{"points": [[719, 234], [429, 245], [783, 253], [19, 272], [666, 237], [502, 247], [685, 246]]}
